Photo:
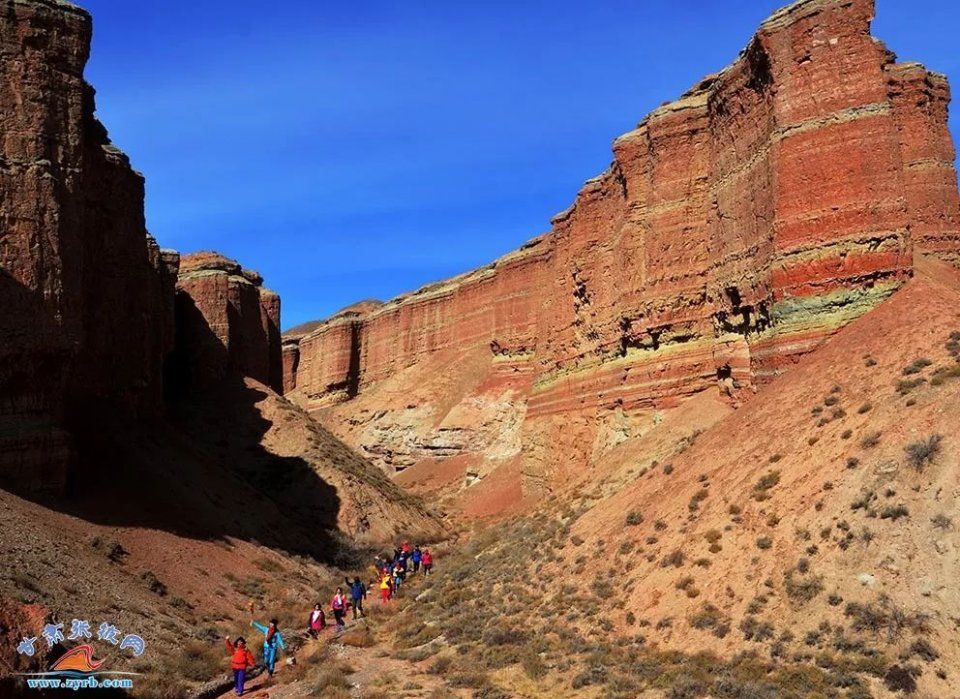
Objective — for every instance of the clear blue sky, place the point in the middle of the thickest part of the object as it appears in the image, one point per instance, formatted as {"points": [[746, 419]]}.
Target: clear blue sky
{"points": [[350, 150]]}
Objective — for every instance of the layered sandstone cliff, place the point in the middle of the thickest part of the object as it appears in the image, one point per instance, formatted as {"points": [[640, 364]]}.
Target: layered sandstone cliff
{"points": [[736, 229], [106, 340], [87, 295], [227, 323]]}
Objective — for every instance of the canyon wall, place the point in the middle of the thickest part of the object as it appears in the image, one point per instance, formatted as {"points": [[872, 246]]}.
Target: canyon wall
{"points": [[117, 356], [736, 229], [227, 323], [92, 307], [87, 295]]}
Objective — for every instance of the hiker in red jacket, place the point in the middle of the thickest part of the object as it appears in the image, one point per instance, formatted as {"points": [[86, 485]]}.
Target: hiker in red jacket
{"points": [[427, 560], [317, 621], [240, 660], [339, 606]]}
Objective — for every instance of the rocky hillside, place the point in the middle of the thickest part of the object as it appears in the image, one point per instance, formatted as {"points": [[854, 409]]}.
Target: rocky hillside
{"points": [[804, 545], [736, 229]]}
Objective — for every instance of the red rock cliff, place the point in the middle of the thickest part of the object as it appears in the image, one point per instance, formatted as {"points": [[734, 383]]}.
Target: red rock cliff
{"points": [[227, 322], [85, 291], [88, 296], [98, 325], [736, 228]]}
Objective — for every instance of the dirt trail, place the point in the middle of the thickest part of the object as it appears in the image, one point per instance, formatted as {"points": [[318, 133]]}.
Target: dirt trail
{"points": [[367, 671], [373, 671]]}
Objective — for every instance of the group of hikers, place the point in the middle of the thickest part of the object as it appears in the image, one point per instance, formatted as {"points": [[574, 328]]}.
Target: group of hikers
{"points": [[390, 576], [393, 571]]}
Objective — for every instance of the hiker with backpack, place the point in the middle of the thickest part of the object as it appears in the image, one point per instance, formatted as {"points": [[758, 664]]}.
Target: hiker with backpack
{"points": [[358, 592], [241, 660], [272, 643], [339, 606], [399, 573]]}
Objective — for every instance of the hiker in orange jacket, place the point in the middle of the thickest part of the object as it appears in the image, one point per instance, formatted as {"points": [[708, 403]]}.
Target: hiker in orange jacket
{"points": [[240, 660]]}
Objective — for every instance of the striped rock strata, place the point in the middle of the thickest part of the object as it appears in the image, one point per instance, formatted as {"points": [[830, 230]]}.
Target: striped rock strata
{"points": [[736, 228]]}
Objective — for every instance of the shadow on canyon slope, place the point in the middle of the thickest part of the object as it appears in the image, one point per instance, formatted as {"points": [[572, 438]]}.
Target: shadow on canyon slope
{"points": [[202, 471]]}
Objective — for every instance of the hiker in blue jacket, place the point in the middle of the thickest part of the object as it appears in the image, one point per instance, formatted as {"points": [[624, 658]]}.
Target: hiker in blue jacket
{"points": [[272, 642], [358, 593], [416, 557]]}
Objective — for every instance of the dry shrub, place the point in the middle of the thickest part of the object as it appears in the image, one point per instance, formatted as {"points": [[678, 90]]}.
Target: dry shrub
{"points": [[675, 559], [942, 521], [906, 385], [766, 482], [199, 661], [885, 616], [916, 366], [900, 679], [707, 617], [162, 684], [921, 452], [802, 589], [894, 512], [533, 664]]}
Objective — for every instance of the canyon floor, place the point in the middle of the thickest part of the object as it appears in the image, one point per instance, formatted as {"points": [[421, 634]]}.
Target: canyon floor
{"points": [[238, 505]]}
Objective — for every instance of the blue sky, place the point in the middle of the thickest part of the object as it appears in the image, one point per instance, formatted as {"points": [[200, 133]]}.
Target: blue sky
{"points": [[360, 150]]}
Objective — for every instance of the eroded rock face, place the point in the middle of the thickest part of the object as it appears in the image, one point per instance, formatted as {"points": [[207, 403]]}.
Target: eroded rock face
{"points": [[98, 326], [290, 357], [89, 299], [86, 293], [736, 229], [227, 323]]}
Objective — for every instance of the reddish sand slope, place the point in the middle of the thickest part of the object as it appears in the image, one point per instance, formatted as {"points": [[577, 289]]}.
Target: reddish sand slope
{"points": [[841, 517]]}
